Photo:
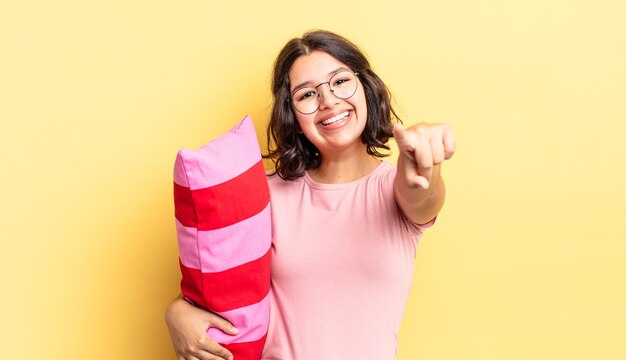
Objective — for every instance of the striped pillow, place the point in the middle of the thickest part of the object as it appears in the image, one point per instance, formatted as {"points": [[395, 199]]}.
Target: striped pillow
{"points": [[223, 225]]}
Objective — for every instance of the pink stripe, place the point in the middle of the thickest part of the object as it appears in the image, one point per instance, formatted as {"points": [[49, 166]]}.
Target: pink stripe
{"points": [[188, 245], [252, 322], [223, 158], [180, 177], [227, 247]]}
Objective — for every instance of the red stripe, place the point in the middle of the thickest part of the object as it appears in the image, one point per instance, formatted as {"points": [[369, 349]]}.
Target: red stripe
{"points": [[184, 209], [232, 201], [224, 204], [240, 286], [247, 350]]}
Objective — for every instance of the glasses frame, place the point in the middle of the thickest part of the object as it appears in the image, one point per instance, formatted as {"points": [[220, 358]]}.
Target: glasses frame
{"points": [[356, 74]]}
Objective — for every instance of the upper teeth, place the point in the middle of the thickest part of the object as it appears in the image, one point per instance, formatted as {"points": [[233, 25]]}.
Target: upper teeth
{"points": [[335, 118]]}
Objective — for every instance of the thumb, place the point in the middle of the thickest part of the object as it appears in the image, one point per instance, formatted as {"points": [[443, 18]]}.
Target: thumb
{"points": [[224, 325]]}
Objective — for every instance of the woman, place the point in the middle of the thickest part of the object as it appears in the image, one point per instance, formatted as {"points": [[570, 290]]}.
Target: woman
{"points": [[345, 224]]}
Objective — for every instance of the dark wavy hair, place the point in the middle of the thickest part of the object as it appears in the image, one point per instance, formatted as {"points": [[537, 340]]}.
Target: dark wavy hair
{"points": [[288, 148]]}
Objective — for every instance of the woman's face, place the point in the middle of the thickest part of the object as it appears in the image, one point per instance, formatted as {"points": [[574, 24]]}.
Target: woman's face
{"points": [[337, 125]]}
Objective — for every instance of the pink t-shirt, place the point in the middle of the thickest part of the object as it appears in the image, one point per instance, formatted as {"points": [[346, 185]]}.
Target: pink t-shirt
{"points": [[342, 267]]}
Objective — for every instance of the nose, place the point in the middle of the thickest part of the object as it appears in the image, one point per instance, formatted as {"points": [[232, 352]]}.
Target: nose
{"points": [[326, 97]]}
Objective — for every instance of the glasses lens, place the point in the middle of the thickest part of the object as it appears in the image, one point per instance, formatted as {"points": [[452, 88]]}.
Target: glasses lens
{"points": [[306, 100], [343, 84]]}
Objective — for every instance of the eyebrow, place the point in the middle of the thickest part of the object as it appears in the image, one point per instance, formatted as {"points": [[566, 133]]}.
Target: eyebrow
{"points": [[304, 84]]}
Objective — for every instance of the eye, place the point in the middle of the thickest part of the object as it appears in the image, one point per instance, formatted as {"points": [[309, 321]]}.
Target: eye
{"points": [[305, 95], [340, 81]]}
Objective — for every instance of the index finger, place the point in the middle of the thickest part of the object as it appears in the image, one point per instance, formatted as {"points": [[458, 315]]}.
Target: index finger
{"points": [[402, 139]]}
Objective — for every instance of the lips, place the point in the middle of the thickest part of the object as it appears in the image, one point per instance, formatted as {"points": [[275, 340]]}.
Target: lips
{"points": [[335, 118]]}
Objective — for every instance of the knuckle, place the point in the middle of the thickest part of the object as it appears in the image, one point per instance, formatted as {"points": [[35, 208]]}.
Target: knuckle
{"points": [[421, 131], [201, 340], [188, 350]]}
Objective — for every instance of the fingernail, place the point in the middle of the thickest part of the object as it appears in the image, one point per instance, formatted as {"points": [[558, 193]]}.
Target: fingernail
{"points": [[234, 329]]}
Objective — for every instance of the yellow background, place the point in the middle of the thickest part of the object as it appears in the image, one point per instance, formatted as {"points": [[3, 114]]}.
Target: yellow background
{"points": [[527, 261]]}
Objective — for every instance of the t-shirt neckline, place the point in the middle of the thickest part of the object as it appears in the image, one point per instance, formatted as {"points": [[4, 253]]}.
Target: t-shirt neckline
{"points": [[324, 186]]}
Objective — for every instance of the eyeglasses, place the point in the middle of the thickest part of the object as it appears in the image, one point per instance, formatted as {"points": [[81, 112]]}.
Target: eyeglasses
{"points": [[343, 85]]}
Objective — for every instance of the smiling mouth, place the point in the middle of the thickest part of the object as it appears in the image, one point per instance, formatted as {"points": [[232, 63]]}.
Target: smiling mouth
{"points": [[335, 118]]}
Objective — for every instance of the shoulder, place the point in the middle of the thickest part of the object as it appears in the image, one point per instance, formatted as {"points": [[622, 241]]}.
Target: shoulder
{"points": [[272, 178], [384, 176], [276, 183], [387, 169]]}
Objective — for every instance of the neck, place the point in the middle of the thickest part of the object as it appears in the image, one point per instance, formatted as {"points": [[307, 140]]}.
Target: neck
{"points": [[345, 168]]}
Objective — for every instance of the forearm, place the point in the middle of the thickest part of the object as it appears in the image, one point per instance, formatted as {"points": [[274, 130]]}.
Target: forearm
{"points": [[419, 204], [174, 307]]}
